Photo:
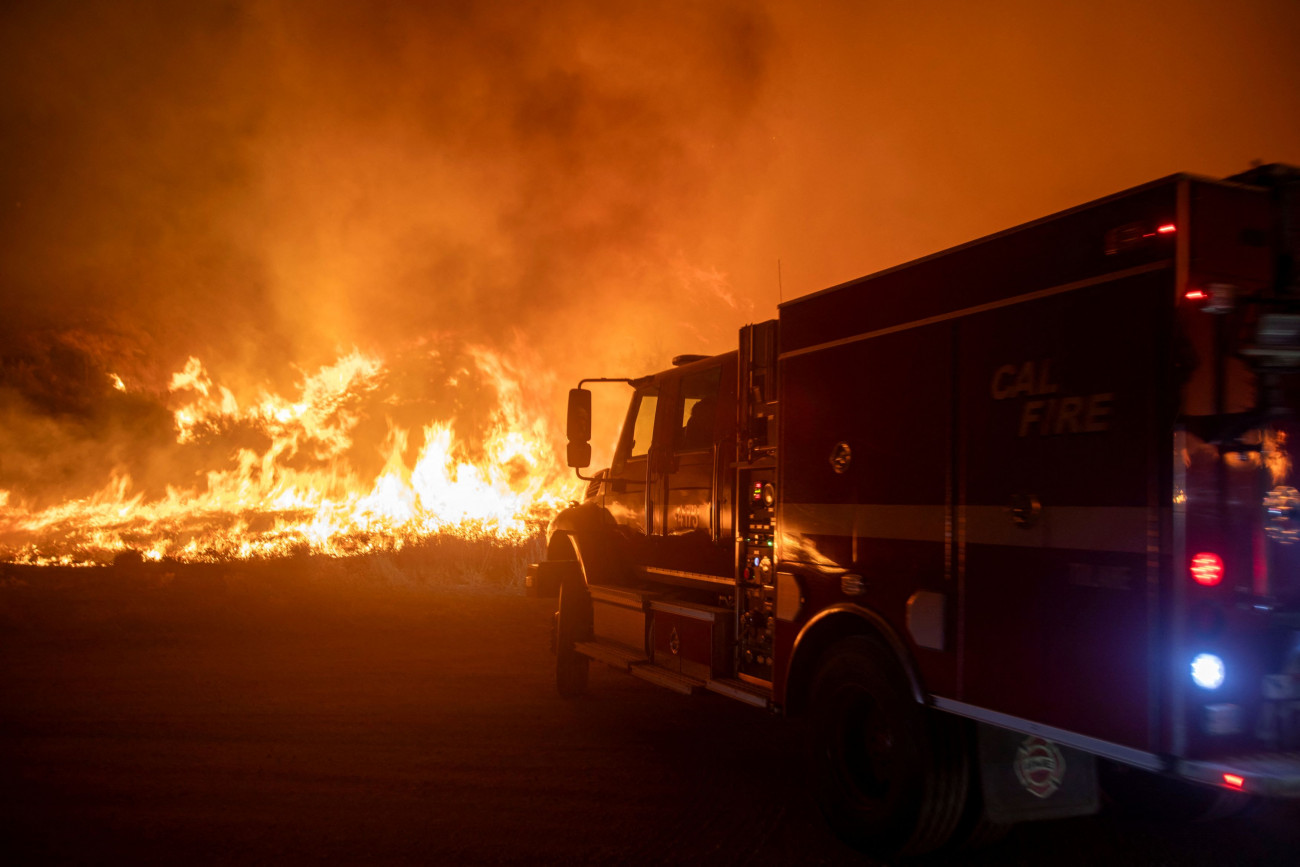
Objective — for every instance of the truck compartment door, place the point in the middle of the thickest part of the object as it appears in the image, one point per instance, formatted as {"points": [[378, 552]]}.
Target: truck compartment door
{"points": [[1060, 453]]}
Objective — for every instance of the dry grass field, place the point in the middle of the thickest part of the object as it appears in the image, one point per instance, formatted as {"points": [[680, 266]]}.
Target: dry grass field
{"points": [[399, 709]]}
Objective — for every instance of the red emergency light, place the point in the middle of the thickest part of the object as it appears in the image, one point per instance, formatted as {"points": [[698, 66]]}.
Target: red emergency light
{"points": [[1133, 235], [1214, 298], [1207, 569]]}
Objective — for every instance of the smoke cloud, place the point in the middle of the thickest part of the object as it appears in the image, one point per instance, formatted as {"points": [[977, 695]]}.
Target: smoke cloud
{"points": [[585, 188]]}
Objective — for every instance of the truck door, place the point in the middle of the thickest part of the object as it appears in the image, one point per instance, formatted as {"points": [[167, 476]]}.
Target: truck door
{"points": [[667, 469], [690, 527], [630, 497]]}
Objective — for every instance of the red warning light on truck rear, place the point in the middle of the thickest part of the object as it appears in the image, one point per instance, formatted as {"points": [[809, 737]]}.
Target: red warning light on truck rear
{"points": [[1207, 569]]}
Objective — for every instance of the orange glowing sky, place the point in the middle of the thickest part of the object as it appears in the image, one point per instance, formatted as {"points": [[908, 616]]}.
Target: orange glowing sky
{"points": [[588, 188]]}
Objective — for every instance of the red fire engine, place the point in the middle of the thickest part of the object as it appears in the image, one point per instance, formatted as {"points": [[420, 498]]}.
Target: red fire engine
{"points": [[998, 522]]}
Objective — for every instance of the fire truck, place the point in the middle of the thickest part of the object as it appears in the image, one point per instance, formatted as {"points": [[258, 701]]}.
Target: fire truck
{"points": [[1005, 526]]}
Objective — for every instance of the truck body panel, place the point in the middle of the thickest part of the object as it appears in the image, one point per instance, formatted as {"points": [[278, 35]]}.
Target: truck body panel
{"points": [[1045, 472]]}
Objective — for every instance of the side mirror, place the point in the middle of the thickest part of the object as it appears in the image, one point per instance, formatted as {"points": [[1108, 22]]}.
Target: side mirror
{"points": [[579, 428], [579, 455]]}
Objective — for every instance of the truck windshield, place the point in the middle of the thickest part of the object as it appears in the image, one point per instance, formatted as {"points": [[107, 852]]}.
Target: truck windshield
{"points": [[643, 423]]}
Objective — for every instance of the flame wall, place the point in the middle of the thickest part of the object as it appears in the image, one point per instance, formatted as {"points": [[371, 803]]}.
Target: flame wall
{"points": [[579, 188]]}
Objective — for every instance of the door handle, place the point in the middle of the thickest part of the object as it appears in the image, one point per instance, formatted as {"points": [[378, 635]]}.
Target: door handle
{"points": [[1025, 510], [715, 497]]}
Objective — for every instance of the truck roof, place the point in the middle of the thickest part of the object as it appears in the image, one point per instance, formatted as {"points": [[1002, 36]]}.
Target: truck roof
{"points": [[1013, 230], [1062, 249]]}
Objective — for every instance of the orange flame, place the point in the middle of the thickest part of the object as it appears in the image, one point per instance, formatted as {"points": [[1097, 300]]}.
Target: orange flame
{"points": [[301, 493]]}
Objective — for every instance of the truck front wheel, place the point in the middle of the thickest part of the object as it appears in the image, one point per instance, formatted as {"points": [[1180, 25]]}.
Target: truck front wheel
{"points": [[890, 775], [572, 624]]}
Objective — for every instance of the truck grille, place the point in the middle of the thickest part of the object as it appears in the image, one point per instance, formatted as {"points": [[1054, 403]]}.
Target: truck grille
{"points": [[593, 486]]}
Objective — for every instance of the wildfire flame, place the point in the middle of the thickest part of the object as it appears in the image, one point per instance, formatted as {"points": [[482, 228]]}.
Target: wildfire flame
{"points": [[301, 492]]}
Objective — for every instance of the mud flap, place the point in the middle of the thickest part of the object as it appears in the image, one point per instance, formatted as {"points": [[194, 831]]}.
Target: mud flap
{"points": [[1026, 778], [542, 580]]}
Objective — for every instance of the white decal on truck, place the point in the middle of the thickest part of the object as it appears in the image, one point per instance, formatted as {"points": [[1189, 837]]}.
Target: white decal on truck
{"points": [[1043, 412], [1040, 767]]}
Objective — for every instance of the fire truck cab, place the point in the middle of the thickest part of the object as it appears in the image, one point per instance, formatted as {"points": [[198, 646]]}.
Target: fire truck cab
{"points": [[998, 522]]}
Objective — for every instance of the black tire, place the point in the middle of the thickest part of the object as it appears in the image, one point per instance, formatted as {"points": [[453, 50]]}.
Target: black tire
{"points": [[979, 832], [572, 624], [890, 775], [975, 830]]}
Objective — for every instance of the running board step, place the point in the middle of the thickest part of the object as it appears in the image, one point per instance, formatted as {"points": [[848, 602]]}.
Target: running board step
{"points": [[741, 691], [627, 660], [682, 683], [614, 655]]}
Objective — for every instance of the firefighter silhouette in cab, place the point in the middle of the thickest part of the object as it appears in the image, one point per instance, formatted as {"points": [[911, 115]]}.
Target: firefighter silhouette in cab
{"points": [[698, 431]]}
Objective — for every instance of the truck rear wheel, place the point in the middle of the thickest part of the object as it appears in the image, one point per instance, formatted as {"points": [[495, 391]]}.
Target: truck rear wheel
{"points": [[975, 830], [572, 623], [890, 775]]}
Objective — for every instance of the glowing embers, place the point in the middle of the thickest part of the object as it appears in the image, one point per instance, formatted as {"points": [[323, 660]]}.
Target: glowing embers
{"points": [[1208, 671], [1207, 569]]}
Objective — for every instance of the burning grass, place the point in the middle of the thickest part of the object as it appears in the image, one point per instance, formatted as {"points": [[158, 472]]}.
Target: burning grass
{"points": [[331, 471]]}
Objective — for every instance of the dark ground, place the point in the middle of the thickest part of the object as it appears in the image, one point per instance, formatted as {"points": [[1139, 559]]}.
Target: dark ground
{"points": [[266, 716]]}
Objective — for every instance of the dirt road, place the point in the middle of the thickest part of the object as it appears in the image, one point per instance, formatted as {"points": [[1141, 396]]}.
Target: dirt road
{"points": [[398, 725]]}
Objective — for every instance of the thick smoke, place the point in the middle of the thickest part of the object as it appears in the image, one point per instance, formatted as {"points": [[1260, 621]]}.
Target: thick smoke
{"points": [[266, 186], [585, 188], [276, 181]]}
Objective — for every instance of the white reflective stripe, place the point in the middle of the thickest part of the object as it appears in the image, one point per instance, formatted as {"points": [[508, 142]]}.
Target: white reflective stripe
{"points": [[864, 521], [1276, 775], [1085, 528], [1096, 746]]}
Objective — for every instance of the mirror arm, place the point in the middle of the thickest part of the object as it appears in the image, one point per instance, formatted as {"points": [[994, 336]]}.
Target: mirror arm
{"points": [[607, 379], [632, 382]]}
